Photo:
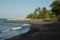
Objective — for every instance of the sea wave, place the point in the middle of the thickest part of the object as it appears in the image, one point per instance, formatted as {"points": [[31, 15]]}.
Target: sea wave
{"points": [[11, 29], [15, 28], [26, 25]]}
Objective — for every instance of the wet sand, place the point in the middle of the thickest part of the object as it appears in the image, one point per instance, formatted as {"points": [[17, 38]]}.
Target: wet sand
{"points": [[41, 32]]}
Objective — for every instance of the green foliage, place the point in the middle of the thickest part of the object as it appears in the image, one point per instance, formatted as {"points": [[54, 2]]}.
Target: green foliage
{"points": [[56, 7], [41, 14], [30, 16], [46, 14]]}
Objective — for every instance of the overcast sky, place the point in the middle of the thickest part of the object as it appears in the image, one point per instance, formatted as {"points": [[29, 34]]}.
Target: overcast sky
{"points": [[20, 8]]}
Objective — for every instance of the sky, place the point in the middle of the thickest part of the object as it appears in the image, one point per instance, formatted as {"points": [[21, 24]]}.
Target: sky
{"points": [[21, 8]]}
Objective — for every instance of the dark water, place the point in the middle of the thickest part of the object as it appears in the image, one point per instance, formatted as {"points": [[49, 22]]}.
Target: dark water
{"points": [[8, 30]]}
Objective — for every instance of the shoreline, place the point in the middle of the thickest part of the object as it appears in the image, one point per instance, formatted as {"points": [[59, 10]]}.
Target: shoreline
{"points": [[33, 21], [39, 32]]}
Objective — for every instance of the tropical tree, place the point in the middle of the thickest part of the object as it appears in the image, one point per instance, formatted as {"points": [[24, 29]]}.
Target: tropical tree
{"points": [[30, 15], [56, 7], [41, 14], [44, 13]]}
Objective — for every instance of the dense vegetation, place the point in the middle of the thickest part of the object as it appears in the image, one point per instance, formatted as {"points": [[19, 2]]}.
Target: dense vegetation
{"points": [[43, 13]]}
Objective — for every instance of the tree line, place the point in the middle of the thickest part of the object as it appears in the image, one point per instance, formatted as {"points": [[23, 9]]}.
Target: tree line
{"points": [[43, 13]]}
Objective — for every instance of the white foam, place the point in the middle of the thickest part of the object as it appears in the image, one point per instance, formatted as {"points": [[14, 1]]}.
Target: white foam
{"points": [[11, 29], [26, 25], [16, 28], [6, 30]]}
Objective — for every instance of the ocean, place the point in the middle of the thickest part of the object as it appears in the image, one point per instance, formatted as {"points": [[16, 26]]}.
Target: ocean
{"points": [[8, 29]]}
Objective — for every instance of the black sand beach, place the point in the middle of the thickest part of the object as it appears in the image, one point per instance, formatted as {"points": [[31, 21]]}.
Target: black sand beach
{"points": [[41, 32]]}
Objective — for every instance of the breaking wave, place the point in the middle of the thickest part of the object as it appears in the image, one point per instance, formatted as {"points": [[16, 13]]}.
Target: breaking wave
{"points": [[15, 28], [11, 29]]}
